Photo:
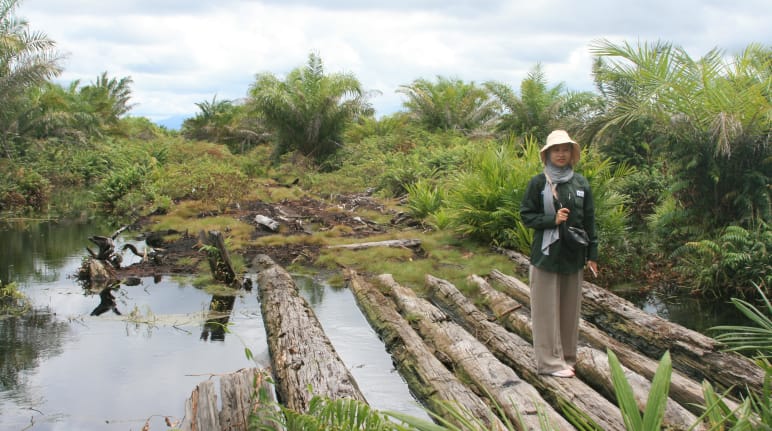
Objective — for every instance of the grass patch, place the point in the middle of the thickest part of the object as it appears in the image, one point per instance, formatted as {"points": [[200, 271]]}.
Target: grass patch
{"points": [[443, 256], [237, 233]]}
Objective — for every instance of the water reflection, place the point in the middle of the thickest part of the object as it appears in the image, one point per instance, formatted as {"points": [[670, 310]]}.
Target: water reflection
{"points": [[35, 252], [220, 308], [144, 362], [106, 302], [689, 311], [24, 343]]}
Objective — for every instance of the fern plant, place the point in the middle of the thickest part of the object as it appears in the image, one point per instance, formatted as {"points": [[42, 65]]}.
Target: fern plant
{"points": [[727, 265]]}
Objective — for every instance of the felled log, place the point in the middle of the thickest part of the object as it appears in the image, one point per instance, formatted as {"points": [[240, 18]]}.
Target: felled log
{"points": [[406, 243], [302, 356], [219, 262], [685, 391], [519, 355], [428, 379], [696, 355], [592, 366], [519, 401], [238, 394]]}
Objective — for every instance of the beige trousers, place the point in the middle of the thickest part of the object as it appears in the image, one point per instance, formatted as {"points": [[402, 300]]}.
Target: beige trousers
{"points": [[556, 301]]}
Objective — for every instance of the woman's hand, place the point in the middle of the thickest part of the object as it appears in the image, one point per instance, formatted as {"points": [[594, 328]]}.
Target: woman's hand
{"points": [[562, 215], [593, 267]]}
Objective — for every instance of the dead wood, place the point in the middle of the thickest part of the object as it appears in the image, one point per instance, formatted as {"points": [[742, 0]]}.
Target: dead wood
{"points": [[238, 393], [684, 390], [268, 222], [695, 355], [519, 401], [302, 356], [518, 354], [407, 243], [220, 260], [428, 379], [592, 366]]}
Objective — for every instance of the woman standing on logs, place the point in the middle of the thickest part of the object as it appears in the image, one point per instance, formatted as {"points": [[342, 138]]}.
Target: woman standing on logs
{"points": [[555, 200]]}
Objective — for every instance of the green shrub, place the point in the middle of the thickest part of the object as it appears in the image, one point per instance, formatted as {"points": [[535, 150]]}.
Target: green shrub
{"points": [[424, 198], [214, 182], [24, 190], [728, 264]]}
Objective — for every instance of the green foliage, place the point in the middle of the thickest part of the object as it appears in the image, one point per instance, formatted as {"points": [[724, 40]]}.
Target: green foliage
{"points": [[210, 180], [325, 414], [710, 116], [309, 110], [226, 123], [12, 301], [484, 200], [366, 127], [645, 189], [538, 109], [23, 190], [450, 104], [424, 198], [654, 412], [729, 264], [755, 411], [754, 340], [27, 60]]}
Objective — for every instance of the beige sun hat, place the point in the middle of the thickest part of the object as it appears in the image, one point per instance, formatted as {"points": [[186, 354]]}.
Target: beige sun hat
{"points": [[558, 137]]}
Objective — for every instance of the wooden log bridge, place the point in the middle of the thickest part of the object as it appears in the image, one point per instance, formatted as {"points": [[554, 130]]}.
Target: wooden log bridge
{"points": [[477, 360], [302, 356]]}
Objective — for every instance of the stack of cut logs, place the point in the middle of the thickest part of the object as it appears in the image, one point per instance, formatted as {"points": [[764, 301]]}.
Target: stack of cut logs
{"points": [[452, 352]]}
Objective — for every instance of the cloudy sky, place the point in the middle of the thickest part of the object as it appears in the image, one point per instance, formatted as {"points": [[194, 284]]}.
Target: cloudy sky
{"points": [[180, 52]]}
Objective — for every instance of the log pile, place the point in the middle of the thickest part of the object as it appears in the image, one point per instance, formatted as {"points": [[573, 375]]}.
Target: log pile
{"points": [[478, 359]]}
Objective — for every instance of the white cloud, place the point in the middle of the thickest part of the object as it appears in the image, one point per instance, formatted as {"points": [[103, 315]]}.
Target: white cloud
{"points": [[180, 52]]}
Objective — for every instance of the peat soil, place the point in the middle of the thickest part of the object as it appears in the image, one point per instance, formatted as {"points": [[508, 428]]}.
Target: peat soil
{"points": [[305, 216]]}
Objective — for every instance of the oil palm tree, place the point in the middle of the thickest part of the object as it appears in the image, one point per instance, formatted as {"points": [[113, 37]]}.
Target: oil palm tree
{"points": [[450, 104], [715, 116], [27, 59], [309, 110], [539, 109]]}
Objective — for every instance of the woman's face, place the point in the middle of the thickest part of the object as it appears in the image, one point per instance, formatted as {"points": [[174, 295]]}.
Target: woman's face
{"points": [[560, 155]]}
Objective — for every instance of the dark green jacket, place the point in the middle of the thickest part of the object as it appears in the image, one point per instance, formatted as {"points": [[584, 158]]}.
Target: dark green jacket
{"points": [[576, 196]]}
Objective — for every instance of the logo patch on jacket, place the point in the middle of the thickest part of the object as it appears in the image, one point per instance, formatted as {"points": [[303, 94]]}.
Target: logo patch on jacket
{"points": [[580, 193]]}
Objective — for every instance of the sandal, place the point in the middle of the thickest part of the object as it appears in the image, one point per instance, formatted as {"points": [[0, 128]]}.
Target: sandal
{"points": [[563, 373]]}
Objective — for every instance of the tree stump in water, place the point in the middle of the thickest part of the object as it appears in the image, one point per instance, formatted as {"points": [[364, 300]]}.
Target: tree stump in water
{"points": [[302, 356], [219, 259], [242, 393]]}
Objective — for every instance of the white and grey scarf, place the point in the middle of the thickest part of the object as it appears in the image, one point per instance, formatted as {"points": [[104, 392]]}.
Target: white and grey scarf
{"points": [[555, 176]]}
